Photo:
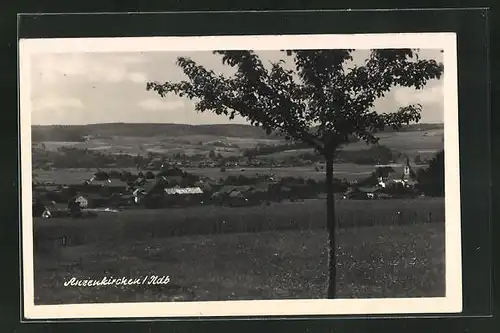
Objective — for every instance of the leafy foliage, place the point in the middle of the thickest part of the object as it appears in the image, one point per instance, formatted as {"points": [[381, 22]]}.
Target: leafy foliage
{"points": [[321, 102], [431, 179], [384, 171]]}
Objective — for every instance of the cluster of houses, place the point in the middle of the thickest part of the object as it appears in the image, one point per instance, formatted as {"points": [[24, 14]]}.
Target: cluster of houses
{"points": [[169, 188], [225, 162], [174, 187], [386, 184]]}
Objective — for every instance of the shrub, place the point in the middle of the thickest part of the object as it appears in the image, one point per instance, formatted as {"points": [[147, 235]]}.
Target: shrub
{"points": [[431, 179]]}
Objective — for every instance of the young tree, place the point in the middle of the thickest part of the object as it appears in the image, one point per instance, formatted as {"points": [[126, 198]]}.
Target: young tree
{"points": [[320, 101]]}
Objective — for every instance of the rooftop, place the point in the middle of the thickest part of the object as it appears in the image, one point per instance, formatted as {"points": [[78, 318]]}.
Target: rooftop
{"points": [[185, 190], [109, 183]]}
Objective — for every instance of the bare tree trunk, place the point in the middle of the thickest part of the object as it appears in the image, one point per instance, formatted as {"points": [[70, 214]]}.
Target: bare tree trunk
{"points": [[331, 225]]}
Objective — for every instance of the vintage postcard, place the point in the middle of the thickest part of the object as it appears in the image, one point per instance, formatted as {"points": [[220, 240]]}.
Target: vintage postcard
{"points": [[240, 176]]}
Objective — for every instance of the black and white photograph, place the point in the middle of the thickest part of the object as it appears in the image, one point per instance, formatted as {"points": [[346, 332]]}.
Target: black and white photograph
{"points": [[240, 176]]}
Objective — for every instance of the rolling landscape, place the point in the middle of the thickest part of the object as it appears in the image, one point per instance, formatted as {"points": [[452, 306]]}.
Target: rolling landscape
{"points": [[232, 141], [237, 175], [130, 138], [221, 231]]}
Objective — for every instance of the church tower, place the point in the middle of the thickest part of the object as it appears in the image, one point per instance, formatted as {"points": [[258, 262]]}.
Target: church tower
{"points": [[407, 170]]}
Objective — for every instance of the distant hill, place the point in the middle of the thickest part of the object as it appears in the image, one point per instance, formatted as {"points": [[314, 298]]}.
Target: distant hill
{"points": [[78, 132], [418, 127], [71, 132]]}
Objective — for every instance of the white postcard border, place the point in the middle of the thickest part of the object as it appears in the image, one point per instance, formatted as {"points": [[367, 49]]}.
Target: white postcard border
{"points": [[452, 303]]}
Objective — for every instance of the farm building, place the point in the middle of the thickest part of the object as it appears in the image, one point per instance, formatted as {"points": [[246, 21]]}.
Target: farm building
{"points": [[140, 182], [155, 164], [126, 200], [182, 191], [109, 183], [361, 193], [223, 192], [258, 195], [171, 196], [174, 180], [71, 189], [82, 201], [238, 195], [184, 195], [96, 200], [236, 198], [165, 191], [150, 188], [369, 192], [205, 186], [103, 187]]}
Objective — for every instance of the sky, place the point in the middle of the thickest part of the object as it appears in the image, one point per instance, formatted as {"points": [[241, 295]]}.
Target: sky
{"points": [[86, 88]]}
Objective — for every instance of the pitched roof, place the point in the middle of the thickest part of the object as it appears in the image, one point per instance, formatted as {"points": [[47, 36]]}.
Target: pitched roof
{"points": [[236, 194], [174, 179], [185, 190], [91, 197], [227, 189], [109, 183], [150, 186], [369, 189]]}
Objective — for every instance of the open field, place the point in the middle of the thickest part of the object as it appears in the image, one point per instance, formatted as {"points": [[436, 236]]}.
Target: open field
{"points": [[139, 224], [424, 143], [348, 171], [189, 145], [411, 143], [374, 262], [385, 248]]}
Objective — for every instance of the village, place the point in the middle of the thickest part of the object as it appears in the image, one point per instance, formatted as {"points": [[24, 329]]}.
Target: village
{"points": [[113, 191], [239, 186]]}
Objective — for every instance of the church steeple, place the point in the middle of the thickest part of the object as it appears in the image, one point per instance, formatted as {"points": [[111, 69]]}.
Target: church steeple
{"points": [[407, 169]]}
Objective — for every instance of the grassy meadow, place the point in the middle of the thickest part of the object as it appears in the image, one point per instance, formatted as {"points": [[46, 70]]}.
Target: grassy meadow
{"points": [[385, 248], [423, 143], [410, 143], [373, 262], [137, 224], [221, 253]]}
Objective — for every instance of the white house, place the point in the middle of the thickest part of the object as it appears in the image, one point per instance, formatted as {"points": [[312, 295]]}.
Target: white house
{"points": [[83, 202]]}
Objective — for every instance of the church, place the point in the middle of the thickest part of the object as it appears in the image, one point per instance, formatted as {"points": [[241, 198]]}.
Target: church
{"points": [[408, 177]]}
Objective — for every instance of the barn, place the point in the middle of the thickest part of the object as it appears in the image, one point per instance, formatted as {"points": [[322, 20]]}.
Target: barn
{"points": [[183, 195]]}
